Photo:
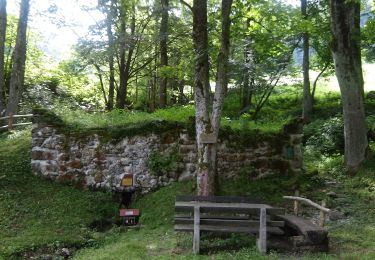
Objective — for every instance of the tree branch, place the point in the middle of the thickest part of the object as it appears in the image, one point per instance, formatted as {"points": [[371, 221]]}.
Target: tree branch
{"points": [[187, 5]]}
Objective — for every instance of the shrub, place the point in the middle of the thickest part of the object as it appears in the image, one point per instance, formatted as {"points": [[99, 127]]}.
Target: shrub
{"points": [[161, 164], [326, 136]]}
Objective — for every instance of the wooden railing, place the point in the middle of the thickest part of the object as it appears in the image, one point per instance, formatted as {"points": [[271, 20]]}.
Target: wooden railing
{"points": [[11, 123], [323, 210]]}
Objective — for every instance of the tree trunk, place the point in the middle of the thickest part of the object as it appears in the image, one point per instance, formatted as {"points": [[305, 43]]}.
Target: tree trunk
{"points": [[207, 150], [163, 52], [221, 86], [345, 26], [3, 26], [202, 96], [125, 63], [307, 99], [316, 81], [100, 75], [111, 90], [249, 71], [19, 59]]}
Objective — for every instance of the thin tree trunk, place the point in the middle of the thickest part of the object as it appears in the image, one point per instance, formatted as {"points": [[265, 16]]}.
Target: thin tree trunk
{"points": [[307, 99], [101, 83], [125, 65], [316, 80], [19, 59], [111, 90], [221, 86], [163, 52], [345, 26], [3, 26]]}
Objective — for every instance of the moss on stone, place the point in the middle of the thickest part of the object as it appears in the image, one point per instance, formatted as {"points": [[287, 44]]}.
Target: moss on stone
{"points": [[237, 138]]}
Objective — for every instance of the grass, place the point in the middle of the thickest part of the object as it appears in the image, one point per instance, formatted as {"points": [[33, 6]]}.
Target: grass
{"points": [[35, 212], [37, 215]]}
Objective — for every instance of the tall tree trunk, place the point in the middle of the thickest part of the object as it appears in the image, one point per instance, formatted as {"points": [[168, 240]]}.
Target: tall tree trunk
{"points": [[111, 90], [19, 59], [163, 51], [3, 26], [345, 26], [100, 75], [125, 62], [205, 178], [307, 98], [249, 71], [204, 126], [221, 86]]}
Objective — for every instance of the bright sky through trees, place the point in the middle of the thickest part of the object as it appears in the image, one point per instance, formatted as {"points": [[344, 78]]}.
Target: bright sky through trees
{"points": [[68, 23]]}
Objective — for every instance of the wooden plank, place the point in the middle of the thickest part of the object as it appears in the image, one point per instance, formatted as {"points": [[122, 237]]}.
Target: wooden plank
{"points": [[262, 238], [219, 199], [228, 229], [304, 227], [16, 116], [227, 207], [228, 222], [208, 138], [196, 235], [19, 124]]}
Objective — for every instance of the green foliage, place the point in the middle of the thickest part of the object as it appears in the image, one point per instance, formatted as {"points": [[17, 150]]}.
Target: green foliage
{"points": [[326, 136], [162, 163], [368, 40]]}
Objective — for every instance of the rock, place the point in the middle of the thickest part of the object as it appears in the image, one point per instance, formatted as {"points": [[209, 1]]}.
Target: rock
{"points": [[335, 215], [332, 194], [64, 252], [185, 176]]}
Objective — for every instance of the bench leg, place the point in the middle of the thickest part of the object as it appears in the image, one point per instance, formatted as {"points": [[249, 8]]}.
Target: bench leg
{"points": [[262, 238], [196, 235]]}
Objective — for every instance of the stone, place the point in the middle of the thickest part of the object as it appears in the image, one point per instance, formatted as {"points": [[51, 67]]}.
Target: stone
{"points": [[100, 164]]}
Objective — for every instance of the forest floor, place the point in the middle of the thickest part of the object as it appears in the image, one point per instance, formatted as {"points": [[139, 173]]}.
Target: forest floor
{"points": [[40, 219]]}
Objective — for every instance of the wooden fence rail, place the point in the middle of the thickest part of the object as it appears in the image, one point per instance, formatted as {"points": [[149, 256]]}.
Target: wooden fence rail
{"points": [[323, 210], [11, 118]]}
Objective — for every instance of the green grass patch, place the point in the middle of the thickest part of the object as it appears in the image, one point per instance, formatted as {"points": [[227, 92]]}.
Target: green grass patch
{"points": [[35, 212]]}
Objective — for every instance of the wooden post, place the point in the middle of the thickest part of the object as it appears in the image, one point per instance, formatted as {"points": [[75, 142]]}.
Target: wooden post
{"points": [[196, 235], [296, 203], [262, 238], [10, 121], [322, 215]]}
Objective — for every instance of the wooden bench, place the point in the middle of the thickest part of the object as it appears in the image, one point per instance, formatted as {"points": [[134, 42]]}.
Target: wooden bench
{"points": [[226, 214]]}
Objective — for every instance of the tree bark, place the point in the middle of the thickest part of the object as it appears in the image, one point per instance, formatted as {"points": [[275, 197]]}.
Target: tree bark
{"points": [[111, 89], [345, 26], [3, 26], [202, 96], [307, 98], [100, 75], [206, 172], [163, 51], [19, 59], [125, 62], [248, 72]]}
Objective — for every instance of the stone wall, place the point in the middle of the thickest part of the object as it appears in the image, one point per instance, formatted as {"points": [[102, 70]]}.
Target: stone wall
{"points": [[96, 161]]}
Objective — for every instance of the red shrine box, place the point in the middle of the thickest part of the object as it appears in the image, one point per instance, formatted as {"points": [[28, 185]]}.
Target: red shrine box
{"points": [[130, 216], [129, 212]]}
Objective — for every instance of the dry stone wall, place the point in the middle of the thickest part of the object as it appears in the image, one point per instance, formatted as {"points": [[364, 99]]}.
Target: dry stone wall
{"points": [[97, 162]]}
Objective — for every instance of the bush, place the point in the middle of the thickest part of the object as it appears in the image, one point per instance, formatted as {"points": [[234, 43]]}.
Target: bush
{"points": [[161, 164], [326, 136]]}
